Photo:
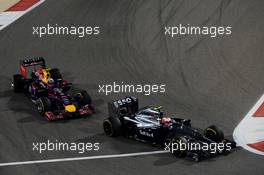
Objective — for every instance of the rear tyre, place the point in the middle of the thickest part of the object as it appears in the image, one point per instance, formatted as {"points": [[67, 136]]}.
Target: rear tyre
{"points": [[214, 133], [18, 83], [43, 105], [55, 74], [112, 126]]}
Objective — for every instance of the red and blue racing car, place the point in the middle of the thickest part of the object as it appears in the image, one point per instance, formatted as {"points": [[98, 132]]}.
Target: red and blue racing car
{"points": [[51, 94]]}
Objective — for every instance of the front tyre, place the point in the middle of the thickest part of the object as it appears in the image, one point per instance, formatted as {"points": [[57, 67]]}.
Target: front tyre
{"points": [[43, 105], [177, 148], [112, 126], [84, 98], [214, 133]]}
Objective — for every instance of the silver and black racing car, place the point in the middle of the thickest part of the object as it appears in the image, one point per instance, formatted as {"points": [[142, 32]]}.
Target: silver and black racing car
{"points": [[176, 135]]}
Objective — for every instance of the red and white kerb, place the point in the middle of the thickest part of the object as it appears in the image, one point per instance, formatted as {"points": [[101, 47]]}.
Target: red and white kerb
{"points": [[250, 131], [16, 11]]}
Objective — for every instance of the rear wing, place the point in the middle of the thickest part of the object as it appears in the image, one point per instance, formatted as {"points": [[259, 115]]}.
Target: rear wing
{"points": [[33, 62], [123, 107], [38, 61]]}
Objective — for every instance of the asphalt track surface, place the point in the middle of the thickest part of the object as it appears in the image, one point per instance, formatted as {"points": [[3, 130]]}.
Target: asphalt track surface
{"points": [[208, 80]]}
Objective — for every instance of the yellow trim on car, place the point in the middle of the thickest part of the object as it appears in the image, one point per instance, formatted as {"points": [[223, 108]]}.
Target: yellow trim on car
{"points": [[70, 108], [210, 129]]}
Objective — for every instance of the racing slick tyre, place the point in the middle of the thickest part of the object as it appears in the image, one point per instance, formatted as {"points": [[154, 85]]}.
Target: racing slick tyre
{"points": [[112, 126], [176, 148], [214, 133], [84, 98], [43, 105], [18, 83], [55, 74]]}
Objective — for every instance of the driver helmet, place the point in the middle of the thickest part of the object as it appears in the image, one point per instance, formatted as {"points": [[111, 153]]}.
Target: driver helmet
{"points": [[51, 82], [165, 120]]}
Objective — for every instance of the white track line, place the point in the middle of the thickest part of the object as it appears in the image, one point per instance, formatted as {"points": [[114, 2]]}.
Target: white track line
{"points": [[82, 158]]}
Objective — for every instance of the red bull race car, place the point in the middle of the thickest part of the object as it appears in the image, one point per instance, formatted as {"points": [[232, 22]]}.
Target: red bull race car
{"points": [[51, 94]]}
